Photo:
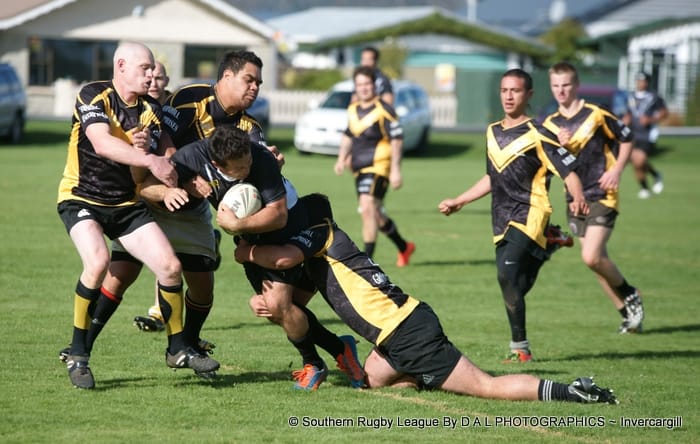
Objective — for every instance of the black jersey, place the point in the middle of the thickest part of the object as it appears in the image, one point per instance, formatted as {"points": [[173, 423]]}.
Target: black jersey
{"points": [[382, 84], [193, 159], [644, 103], [90, 177], [353, 285], [595, 134], [372, 130], [193, 113], [520, 162]]}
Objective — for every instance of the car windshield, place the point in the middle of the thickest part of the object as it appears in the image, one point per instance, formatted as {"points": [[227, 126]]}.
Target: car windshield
{"points": [[337, 100]]}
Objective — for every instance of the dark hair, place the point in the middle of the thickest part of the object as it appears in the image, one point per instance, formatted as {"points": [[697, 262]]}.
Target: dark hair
{"points": [[564, 68], [318, 208], [642, 76], [519, 73], [228, 143], [365, 71], [236, 60], [373, 50]]}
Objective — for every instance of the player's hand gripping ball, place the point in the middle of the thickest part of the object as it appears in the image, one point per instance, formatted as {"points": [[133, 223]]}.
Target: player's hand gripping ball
{"points": [[244, 199]]}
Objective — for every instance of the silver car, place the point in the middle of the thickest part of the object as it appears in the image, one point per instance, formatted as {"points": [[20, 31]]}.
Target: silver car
{"points": [[320, 130], [13, 105]]}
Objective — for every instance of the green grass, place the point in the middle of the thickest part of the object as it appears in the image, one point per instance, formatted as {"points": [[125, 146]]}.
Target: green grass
{"points": [[572, 326]]}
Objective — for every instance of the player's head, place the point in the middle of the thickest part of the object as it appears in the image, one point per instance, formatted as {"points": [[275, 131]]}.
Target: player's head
{"points": [[159, 83], [642, 80], [133, 69], [318, 207], [229, 149], [516, 91], [364, 79], [563, 82], [369, 56], [239, 79]]}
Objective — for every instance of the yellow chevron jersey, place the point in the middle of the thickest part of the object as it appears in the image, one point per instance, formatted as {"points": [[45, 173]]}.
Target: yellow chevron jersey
{"points": [[520, 163], [355, 287], [372, 129], [93, 178], [193, 113], [596, 133]]}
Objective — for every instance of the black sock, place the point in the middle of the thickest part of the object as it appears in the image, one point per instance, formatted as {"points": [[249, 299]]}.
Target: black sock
{"points": [[392, 233], [652, 171], [555, 391], [623, 312], [307, 350], [643, 183], [107, 304], [84, 307], [369, 248], [323, 337], [625, 289], [195, 316]]}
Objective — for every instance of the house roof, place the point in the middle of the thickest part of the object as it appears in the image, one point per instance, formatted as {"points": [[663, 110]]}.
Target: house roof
{"points": [[638, 12], [339, 26], [13, 14]]}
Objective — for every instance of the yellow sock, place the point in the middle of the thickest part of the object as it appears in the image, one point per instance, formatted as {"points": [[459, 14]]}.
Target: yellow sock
{"points": [[170, 300]]}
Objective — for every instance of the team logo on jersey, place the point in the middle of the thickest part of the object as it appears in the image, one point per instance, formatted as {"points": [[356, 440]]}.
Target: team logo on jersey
{"points": [[379, 278], [84, 213]]}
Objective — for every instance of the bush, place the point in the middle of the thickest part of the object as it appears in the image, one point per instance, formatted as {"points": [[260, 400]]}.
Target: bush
{"points": [[311, 79]]}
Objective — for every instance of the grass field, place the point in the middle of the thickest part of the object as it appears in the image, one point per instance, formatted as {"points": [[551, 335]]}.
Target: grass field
{"points": [[572, 326]]}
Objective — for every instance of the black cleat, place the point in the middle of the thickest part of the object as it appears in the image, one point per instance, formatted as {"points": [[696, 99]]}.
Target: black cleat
{"points": [[202, 364], [587, 391], [79, 371]]}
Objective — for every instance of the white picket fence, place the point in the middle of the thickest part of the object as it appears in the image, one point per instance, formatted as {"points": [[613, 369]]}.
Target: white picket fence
{"points": [[287, 105]]}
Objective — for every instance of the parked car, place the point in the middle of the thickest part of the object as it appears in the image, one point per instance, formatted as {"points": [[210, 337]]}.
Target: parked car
{"points": [[610, 97], [13, 105], [320, 129]]}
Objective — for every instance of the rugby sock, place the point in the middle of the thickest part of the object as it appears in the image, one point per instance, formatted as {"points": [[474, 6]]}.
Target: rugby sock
{"points": [[625, 289], [322, 336], [107, 304], [623, 312], [307, 350], [643, 183], [195, 316], [369, 248], [555, 391], [83, 307], [170, 301], [520, 345], [392, 233]]}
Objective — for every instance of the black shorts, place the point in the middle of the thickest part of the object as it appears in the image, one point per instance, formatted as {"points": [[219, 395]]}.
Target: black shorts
{"points": [[644, 145], [115, 221], [195, 263], [598, 215], [419, 348], [257, 274], [372, 184]]}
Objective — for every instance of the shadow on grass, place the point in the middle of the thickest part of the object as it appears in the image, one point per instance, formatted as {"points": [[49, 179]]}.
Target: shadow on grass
{"points": [[672, 329], [474, 262], [647, 354]]}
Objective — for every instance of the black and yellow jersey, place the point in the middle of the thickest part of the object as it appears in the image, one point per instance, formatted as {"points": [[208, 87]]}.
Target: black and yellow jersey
{"points": [[372, 130], [90, 177], [353, 285], [520, 163], [596, 133], [193, 113]]}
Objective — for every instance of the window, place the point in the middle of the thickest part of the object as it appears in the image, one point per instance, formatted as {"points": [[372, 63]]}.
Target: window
{"points": [[202, 62], [79, 60]]}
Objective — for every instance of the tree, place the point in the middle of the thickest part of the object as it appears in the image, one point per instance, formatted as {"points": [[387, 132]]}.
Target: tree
{"points": [[563, 37]]}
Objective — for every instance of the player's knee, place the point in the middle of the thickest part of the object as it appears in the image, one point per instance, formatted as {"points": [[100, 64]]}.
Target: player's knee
{"points": [[592, 261]]}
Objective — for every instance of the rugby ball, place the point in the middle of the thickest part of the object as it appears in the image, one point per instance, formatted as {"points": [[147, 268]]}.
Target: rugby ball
{"points": [[244, 199]]}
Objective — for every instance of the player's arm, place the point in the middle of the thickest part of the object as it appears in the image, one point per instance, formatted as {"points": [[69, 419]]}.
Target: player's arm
{"points": [[480, 189], [573, 184], [343, 154], [113, 148], [274, 257], [271, 217]]}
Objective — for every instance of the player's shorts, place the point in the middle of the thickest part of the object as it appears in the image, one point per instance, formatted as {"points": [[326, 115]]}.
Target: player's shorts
{"points": [[419, 348], [257, 274], [598, 215], [190, 233], [115, 221], [372, 184], [644, 145]]}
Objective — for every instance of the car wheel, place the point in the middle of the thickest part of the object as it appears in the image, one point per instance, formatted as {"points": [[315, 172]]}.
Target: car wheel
{"points": [[422, 145], [16, 130]]}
